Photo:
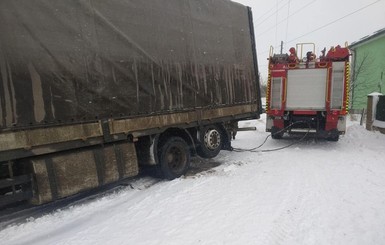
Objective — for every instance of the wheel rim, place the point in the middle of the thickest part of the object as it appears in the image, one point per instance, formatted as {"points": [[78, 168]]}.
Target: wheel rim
{"points": [[212, 139], [176, 159]]}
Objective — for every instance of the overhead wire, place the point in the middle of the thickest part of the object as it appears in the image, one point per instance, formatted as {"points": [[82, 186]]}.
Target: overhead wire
{"points": [[267, 12], [334, 21], [323, 26], [294, 13], [276, 23], [271, 15], [287, 20]]}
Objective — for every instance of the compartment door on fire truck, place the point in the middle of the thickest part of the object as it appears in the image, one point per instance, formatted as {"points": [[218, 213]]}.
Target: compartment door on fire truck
{"points": [[306, 89]]}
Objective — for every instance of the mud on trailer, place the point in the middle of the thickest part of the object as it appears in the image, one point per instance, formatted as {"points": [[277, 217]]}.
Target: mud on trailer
{"points": [[90, 91]]}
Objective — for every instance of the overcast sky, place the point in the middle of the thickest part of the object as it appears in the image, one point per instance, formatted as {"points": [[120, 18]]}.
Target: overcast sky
{"points": [[323, 22]]}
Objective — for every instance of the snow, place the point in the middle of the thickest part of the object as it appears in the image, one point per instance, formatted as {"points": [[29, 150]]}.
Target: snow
{"points": [[375, 94], [316, 192]]}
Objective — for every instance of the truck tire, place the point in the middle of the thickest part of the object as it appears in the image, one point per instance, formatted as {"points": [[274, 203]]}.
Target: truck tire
{"points": [[334, 136], [174, 158], [211, 142], [276, 133]]}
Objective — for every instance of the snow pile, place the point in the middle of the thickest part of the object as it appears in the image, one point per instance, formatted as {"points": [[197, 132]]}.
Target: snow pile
{"points": [[316, 192]]}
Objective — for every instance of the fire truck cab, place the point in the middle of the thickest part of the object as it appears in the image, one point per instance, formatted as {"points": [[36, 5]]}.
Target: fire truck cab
{"points": [[308, 93]]}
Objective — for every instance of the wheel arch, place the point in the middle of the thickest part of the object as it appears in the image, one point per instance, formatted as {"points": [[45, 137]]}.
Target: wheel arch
{"points": [[185, 134]]}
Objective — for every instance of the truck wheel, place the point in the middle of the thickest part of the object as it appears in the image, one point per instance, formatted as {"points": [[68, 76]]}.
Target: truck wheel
{"points": [[276, 133], [211, 142], [334, 136], [174, 158]]}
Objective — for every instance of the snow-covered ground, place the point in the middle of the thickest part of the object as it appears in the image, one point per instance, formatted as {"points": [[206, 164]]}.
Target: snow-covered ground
{"points": [[316, 192]]}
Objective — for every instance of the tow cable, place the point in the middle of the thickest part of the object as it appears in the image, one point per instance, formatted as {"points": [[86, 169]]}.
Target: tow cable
{"points": [[256, 149]]}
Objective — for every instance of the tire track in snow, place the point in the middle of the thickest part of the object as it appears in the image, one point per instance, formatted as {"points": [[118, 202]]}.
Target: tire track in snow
{"points": [[289, 210]]}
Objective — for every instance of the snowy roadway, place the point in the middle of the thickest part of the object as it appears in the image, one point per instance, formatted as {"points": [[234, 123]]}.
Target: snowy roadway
{"points": [[312, 193]]}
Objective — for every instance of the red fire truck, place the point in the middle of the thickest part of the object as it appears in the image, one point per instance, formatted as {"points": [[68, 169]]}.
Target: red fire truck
{"points": [[308, 93]]}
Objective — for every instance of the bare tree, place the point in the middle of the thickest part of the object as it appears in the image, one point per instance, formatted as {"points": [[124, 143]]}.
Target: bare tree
{"points": [[360, 77], [263, 85]]}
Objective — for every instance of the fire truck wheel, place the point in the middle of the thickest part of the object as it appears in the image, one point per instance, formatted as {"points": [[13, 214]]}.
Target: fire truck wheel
{"points": [[334, 136], [174, 159], [211, 142], [276, 133]]}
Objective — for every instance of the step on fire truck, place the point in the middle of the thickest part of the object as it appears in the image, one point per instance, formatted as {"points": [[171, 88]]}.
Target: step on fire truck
{"points": [[308, 93]]}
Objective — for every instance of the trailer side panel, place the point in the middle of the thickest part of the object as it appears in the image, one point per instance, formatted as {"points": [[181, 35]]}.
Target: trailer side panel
{"points": [[75, 61]]}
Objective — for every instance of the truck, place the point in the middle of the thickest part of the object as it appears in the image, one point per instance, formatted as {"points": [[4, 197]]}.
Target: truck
{"points": [[92, 91], [306, 93]]}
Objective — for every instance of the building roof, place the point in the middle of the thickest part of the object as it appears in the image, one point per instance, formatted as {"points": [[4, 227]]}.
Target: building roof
{"points": [[368, 38]]}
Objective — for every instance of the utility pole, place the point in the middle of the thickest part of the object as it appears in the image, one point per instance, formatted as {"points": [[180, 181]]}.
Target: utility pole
{"points": [[281, 46]]}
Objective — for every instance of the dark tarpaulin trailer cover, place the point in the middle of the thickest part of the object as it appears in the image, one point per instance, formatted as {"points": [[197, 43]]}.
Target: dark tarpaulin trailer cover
{"points": [[65, 61]]}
